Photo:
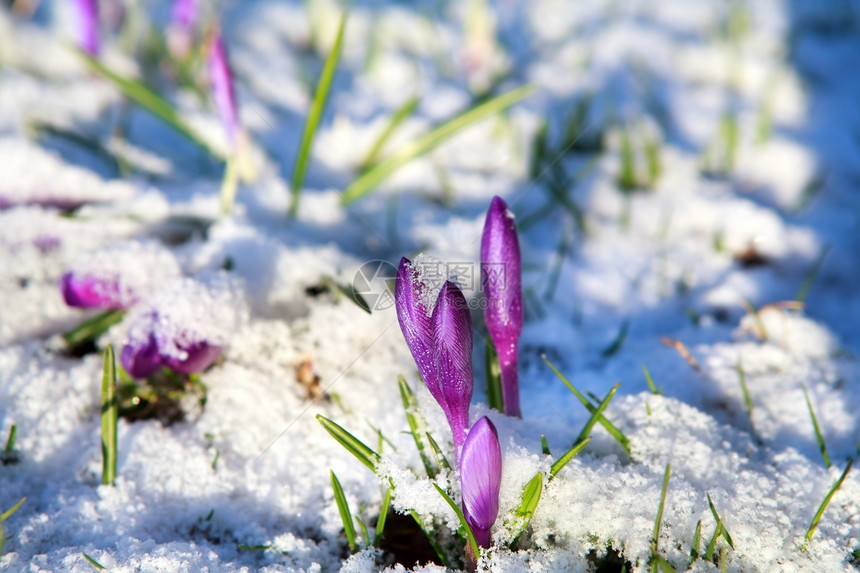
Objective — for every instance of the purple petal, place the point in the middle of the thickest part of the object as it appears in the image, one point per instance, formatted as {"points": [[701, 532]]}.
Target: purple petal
{"points": [[501, 280], [222, 87], [88, 25], [481, 479], [184, 13], [416, 325], [141, 359], [89, 292], [200, 356], [452, 345]]}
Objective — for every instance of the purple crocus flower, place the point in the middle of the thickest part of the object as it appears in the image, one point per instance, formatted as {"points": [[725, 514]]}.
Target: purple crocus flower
{"points": [[88, 25], [184, 327], [481, 479], [441, 345], [500, 266], [222, 88], [118, 276], [183, 21]]}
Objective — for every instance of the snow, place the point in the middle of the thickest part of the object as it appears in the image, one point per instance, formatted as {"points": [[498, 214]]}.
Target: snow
{"points": [[90, 182]]}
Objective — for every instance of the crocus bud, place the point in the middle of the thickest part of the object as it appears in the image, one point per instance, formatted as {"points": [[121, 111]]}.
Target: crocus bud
{"points": [[481, 479], [441, 344], [184, 327], [87, 24], [222, 89], [183, 21], [500, 274], [416, 325], [452, 354], [118, 276]]}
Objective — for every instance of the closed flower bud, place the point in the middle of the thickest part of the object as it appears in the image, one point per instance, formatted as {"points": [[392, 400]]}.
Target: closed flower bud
{"points": [[481, 479]]}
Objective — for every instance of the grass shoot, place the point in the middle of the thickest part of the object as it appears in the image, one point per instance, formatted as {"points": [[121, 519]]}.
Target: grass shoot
{"points": [[345, 513], [9, 455], [94, 563], [719, 530], [3, 517], [109, 416], [819, 437], [463, 523], [824, 503], [658, 562], [607, 425], [410, 406], [524, 512], [399, 116], [370, 179], [352, 444], [742, 378], [314, 116]]}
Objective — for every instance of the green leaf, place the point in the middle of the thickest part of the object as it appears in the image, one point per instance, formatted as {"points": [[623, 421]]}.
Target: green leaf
{"points": [[93, 328], [314, 116], [651, 385], [410, 406], [110, 413], [544, 446], [616, 344], [607, 425], [655, 538], [10, 441], [528, 504], [441, 460], [94, 563], [819, 437], [494, 377], [569, 455], [429, 141], [136, 91], [352, 444], [589, 425], [697, 541], [397, 118], [742, 378], [349, 292], [343, 509], [3, 517], [463, 523], [826, 501], [383, 516]]}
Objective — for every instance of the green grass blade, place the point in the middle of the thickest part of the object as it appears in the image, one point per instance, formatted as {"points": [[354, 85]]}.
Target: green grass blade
{"points": [[469, 535], [314, 116], [589, 425], [429, 141], [569, 455], [10, 441], [651, 385], [616, 344], [818, 435], [528, 504], [363, 527], [343, 509], [825, 502], [742, 378], [3, 517], [607, 425], [441, 460], [722, 526], [544, 446], [410, 406], [697, 542], [655, 538], [8, 513], [94, 563], [397, 118], [149, 100], [352, 444], [93, 328], [383, 516], [110, 414], [494, 378], [809, 280]]}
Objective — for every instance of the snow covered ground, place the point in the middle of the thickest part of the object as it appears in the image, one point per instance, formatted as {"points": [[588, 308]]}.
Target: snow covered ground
{"points": [[753, 109]]}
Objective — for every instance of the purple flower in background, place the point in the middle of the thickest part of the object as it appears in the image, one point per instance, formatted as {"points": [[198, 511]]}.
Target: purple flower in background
{"points": [[441, 345], [185, 327], [500, 275], [88, 25], [222, 88], [481, 479], [183, 21], [119, 276]]}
